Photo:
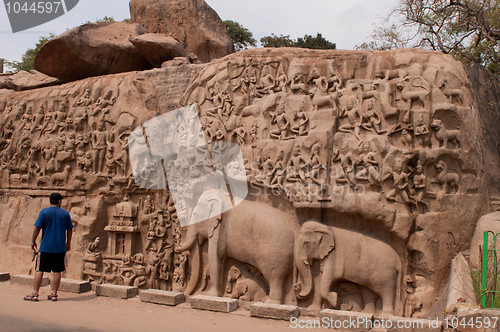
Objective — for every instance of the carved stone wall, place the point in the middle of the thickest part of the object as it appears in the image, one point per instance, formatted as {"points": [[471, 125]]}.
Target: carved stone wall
{"points": [[366, 176]]}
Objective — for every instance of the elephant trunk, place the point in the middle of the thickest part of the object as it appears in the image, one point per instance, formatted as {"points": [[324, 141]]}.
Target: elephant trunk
{"points": [[195, 270], [187, 244], [303, 287]]}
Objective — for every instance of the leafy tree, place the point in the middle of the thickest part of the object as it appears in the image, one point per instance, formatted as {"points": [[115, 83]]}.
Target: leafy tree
{"points": [[276, 41], [313, 42], [318, 42], [28, 59], [241, 36], [469, 30]]}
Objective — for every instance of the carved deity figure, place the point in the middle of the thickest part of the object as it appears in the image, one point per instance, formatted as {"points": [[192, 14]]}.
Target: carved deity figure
{"points": [[296, 165], [400, 183], [283, 124], [368, 162]]}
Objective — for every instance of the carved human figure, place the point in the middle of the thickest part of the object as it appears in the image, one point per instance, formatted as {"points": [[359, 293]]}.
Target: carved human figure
{"points": [[278, 171], [297, 85], [316, 164], [295, 169], [240, 133], [369, 163], [419, 184], [354, 117], [85, 99], [422, 132], [99, 144], [266, 82], [283, 124], [400, 183], [301, 128], [371, 119], [281, 81], [405, 127]]}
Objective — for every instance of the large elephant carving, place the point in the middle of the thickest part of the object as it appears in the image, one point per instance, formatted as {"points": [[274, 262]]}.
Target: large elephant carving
{"points": [[347, 256], [251, 232]]}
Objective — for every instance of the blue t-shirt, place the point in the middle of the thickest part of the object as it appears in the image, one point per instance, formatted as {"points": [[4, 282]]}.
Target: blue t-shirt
{"points": [[54, 222]]}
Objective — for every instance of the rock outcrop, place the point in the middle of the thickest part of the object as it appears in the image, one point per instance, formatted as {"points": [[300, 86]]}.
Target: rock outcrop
{"points": [[368, 160], [158, 48], [24, 80], [192, 22], [92, 49]]}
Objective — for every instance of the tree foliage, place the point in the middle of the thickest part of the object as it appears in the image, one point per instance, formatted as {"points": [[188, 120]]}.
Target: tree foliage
{"points": [[308, 41], [28, 60], [241, 36], [469, 30]]}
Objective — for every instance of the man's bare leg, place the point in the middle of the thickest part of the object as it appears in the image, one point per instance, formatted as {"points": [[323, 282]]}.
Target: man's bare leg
{"points": [[38, 282], [56, 282]]}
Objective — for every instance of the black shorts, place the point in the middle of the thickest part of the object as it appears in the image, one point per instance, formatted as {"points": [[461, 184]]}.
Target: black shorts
{"points": [[50, 262]]}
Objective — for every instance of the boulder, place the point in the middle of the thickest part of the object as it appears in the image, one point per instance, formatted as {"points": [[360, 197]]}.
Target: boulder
{"points": [[24, 80], [158, 48], [92, 49], [192, 22]]}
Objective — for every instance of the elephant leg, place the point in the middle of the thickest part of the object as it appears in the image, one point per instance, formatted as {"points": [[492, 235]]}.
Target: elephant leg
{"points": [[387, 297], [328, 278], [214, 266], [369, 300], [275, 290]]}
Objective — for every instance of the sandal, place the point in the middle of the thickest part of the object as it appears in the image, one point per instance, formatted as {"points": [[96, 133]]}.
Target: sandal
{"points": [[52, 297], [32, 297]]}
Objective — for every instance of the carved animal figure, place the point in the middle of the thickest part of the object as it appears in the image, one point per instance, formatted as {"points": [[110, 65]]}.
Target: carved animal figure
{"points": [[407, 85], [242, 288], [449, 92], [347, 256], [42, 180], [444, 135], [62, 177], [320, 99], [251, 232], [445, 179]]}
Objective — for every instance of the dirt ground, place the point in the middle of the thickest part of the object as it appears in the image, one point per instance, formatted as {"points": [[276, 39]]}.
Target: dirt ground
{"points": [[88, 312]]}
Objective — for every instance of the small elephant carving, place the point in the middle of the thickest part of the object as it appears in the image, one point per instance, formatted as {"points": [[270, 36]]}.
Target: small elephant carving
{"points": [[246, 289]]}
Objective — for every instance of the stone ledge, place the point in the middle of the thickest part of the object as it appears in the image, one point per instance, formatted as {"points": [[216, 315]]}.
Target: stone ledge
{"points": [[4, 276], [27, 280], [161, 297], [121, 292], [273, 311], [213, 303], [74, 286], [346, 320]]}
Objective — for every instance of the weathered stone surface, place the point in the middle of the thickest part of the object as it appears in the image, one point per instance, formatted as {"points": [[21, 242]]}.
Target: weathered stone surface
{"points": [[488, 223], [92, 49], [158, 48], [27, 280], [4, 276], [346, 320], [161, 297], [470, 319], [118, 291], [213, 303], [74, 286], [193, 23], [24, 80], [400, 197], [274, 311], [460, 286]]}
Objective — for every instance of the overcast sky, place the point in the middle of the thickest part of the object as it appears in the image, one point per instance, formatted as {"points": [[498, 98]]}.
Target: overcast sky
{"points": [[345, 22]]}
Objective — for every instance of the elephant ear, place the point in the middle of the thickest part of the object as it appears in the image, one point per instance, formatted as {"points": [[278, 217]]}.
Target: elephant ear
{"points": [[215, 214], [326, 243]]}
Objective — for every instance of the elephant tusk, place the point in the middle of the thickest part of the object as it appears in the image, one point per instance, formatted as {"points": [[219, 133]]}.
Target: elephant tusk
{"points": [[306, 262]]}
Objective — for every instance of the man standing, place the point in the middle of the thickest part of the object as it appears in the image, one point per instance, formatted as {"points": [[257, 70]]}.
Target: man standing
{"points": [[56, 227]]}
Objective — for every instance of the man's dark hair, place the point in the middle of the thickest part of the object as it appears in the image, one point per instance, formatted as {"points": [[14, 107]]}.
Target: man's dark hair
{"points": [[55, 198]]}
